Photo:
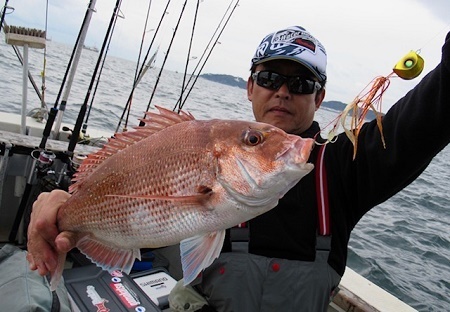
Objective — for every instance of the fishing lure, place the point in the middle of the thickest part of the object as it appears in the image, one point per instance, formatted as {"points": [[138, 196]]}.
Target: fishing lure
{"points": [[409, 67]]}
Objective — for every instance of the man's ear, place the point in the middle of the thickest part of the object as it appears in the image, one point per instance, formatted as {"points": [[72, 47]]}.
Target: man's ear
{"points": [[320, 95], [249, 88]]}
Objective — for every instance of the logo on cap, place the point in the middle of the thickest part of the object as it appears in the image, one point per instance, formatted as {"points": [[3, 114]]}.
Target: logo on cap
{"points": [[295, 37]]}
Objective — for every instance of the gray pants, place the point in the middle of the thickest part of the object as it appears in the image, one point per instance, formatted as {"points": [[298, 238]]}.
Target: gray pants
{"points": [[246, 282], [25, 290]]}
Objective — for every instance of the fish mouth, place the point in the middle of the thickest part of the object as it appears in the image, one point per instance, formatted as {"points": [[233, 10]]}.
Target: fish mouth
{"points": [[302, 148], [295, 156]]}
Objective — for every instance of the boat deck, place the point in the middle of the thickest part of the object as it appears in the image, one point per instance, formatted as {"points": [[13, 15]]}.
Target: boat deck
{"points": [[10, 133]]}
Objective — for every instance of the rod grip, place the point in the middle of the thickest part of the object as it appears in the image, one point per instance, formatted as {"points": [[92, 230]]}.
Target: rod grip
{"points": [[48, 126]]}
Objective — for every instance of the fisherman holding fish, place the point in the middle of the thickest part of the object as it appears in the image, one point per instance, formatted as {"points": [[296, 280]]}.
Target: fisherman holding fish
{"points": [[297, 251]]}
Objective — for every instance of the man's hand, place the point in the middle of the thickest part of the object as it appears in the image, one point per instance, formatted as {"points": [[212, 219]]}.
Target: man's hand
{"points": [[44, 240]]}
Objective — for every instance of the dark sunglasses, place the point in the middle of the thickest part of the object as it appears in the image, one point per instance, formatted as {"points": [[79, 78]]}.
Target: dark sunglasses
{"points": [[296, 84]]}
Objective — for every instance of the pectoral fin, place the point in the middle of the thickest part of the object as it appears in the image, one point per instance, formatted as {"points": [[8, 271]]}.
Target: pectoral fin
{"points": [[199, 252], [56, 275], [108, 257]]}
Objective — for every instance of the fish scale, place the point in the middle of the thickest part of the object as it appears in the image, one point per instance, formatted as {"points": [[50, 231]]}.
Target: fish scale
{"points": [[178, 180]]}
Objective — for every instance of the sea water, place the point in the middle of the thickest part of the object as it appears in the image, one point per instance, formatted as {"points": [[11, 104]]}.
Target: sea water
{"points": [[402, 245]]}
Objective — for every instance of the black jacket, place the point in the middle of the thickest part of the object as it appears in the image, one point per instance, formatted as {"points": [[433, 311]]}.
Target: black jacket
{"points": [[416, 128]]}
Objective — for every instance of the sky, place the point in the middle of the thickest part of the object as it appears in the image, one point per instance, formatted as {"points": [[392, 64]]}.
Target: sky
{"points": [[363, 39]]}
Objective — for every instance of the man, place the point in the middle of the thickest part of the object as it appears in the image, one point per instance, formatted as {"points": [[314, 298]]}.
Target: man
{"points": [[298, 250]]}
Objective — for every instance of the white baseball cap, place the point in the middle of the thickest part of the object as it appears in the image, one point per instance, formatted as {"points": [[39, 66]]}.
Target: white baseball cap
{"points": [[297, 44]]}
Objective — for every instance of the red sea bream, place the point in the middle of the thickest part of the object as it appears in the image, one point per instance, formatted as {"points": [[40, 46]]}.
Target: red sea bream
{"points": [[178, 179]]}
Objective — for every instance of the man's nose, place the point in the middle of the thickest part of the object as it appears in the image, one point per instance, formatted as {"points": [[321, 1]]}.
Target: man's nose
{"points": [[283, 91]]}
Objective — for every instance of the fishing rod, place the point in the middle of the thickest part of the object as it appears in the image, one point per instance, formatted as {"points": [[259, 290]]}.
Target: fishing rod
{"points": [[34, 166], [147, 66], [3, 13], [143, 68], [203, 55], [201, 58], [142, 123], [138, 80], [207, 57], [137, 74], [72, 67], [44, 159], [103, 57], [189, 50], [76, 131]]}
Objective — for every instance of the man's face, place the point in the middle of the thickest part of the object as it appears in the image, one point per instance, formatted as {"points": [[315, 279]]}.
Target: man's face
{"points": [[294, 113]]}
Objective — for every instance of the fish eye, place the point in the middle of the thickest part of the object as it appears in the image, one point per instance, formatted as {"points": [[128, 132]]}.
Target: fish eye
{"points": [[253, 137]]}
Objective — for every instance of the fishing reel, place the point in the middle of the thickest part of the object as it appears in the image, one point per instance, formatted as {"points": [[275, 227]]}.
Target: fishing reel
{"points": [[44, 161], [77, 160], [53, 172], [82, 137]]}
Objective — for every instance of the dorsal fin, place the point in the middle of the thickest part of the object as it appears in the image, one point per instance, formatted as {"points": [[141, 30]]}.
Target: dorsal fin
{"points": [[154, 122]]}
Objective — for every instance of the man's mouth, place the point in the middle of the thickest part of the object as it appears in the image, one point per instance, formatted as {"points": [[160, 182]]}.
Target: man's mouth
{"points": [[279, 109]]}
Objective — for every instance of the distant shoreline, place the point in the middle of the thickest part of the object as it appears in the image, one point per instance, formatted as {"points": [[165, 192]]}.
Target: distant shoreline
{"points": [[241, 83], [226, 79]]}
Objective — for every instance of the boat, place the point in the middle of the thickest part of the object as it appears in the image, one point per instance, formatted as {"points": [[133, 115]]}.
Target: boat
{"points": [[33, 162], [90, 48]]}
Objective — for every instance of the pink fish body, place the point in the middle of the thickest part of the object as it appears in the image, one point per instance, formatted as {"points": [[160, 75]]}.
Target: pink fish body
{"points": [[178, 179]]}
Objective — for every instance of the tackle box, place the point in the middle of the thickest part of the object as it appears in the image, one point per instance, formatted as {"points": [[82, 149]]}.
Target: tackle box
{"points": [[92, 289]]}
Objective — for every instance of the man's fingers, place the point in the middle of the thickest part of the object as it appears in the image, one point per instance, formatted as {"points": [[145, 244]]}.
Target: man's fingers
{"points": [[46, 230], [30, 259], [43, 263], [44, 243], [65, 241]]}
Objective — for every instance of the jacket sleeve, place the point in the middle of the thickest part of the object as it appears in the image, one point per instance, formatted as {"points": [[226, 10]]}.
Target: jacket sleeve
{"points": [[416, 128]]}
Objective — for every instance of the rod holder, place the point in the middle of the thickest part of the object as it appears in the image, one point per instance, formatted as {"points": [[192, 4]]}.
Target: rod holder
{"points": [[26, 38]]}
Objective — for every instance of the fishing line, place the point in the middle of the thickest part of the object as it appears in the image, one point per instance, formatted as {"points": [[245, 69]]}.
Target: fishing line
{"points": [[434, 37]]}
